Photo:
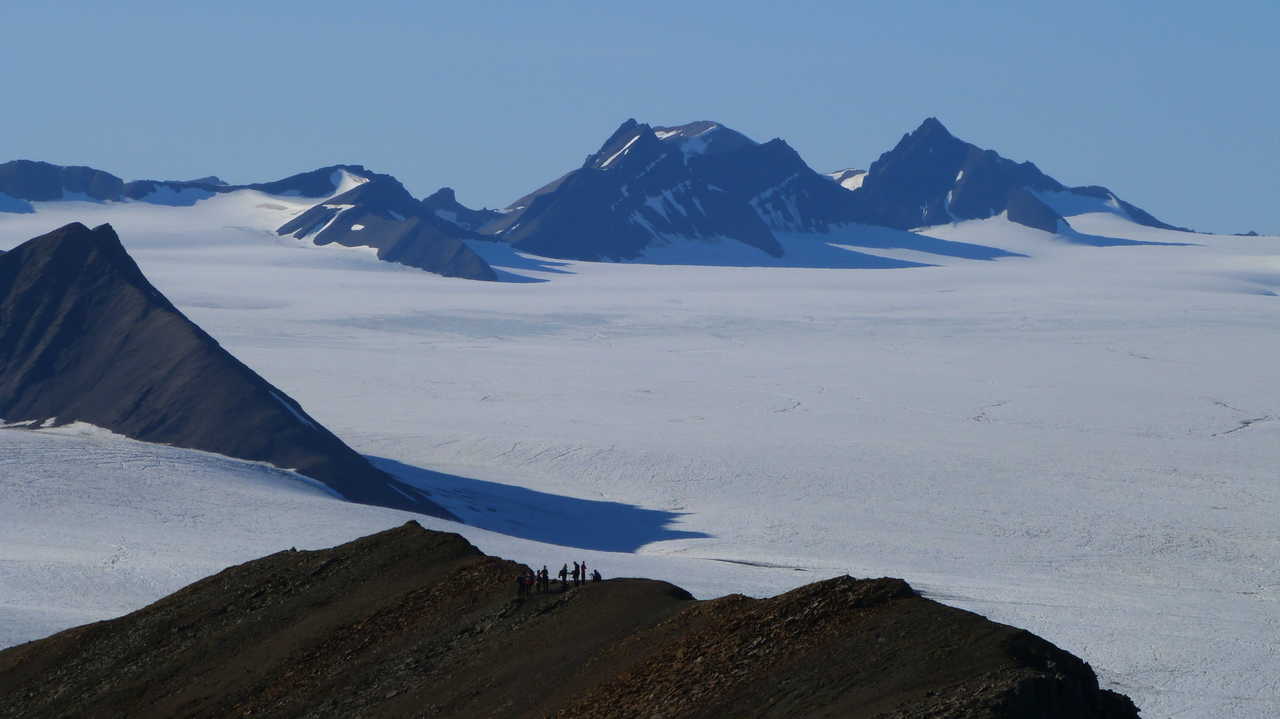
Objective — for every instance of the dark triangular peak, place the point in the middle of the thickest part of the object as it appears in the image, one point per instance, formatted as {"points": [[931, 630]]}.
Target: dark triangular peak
{"points": [[632, 142], [43, 182], [84, 337], [932, 177], [444, 204], [380, 213]]}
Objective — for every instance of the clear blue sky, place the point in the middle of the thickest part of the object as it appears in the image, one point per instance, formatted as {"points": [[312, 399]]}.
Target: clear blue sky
{"points": [[1175, 106]]}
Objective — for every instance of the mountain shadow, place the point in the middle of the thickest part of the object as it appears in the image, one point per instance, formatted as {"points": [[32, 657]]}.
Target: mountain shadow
{"points": [[542, 517]]}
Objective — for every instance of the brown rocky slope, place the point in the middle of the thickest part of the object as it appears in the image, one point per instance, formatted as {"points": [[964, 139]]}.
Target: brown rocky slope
{"points": [[415, 623]]}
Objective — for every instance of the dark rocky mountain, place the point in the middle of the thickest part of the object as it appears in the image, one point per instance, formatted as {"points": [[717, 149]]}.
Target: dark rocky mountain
{"points": [[398, 227], [648, 186], [321, 182], [85, 337], [42, 182], [932, 178], [444, 204], [380, 213], [410, 622]]}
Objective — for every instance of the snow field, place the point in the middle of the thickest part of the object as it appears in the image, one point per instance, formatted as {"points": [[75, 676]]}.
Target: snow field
{"points": [[1080, 442]]}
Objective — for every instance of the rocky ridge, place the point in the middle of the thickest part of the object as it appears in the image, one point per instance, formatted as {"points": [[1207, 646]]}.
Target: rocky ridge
{"points": [[410, 622]]}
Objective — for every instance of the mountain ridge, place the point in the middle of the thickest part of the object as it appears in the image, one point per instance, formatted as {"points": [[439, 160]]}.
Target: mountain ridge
{"points": [[932, 177], [409, 621], [84, 336]]}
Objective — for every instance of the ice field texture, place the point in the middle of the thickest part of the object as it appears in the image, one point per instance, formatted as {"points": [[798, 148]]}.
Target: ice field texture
{"points": [[1082, 442]]}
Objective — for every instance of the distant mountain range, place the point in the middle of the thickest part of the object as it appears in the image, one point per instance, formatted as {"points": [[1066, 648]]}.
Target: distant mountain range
{"points": [[84, 337], [646, 187], [356, 208]]}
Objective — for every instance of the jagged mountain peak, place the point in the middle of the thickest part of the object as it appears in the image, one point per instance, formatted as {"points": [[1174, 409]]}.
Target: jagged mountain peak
{"points": [[444, 204], [74, 250], [932, 177], [635, 139], [442, 195], [694, 186], [631, 139], [933, 127]]}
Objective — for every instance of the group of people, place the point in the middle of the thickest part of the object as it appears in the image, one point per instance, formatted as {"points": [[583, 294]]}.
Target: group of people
{"points": [[540, 581]]}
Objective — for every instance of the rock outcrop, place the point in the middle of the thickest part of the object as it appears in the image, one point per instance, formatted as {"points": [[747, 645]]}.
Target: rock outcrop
{"points": [[381, 214], [410, 622], [932, 177]]}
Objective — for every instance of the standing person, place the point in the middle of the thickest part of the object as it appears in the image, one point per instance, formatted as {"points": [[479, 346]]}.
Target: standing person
{"points": [[584, 572], [595, 575], [544, 579], [564, 577]]}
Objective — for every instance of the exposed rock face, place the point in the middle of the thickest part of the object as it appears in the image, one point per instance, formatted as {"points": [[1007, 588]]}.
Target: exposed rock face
{"points": [[1027, 209], [647, 185], [444, 204], [85, 337], [381, 214], [651, 186], [409, 622], [321, 182], [42, 182], [932, 178]]}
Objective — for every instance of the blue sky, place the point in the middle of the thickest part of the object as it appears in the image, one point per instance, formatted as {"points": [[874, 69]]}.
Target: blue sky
{"points": [[1173, 106]]}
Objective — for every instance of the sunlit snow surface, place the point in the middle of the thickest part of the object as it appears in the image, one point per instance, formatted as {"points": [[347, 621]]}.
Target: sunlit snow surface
{"points": [[1082, 442]]}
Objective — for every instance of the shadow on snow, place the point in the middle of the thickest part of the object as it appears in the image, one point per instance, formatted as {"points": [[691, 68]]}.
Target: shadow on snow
{"points": [[506, 260], [539, 516]]}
